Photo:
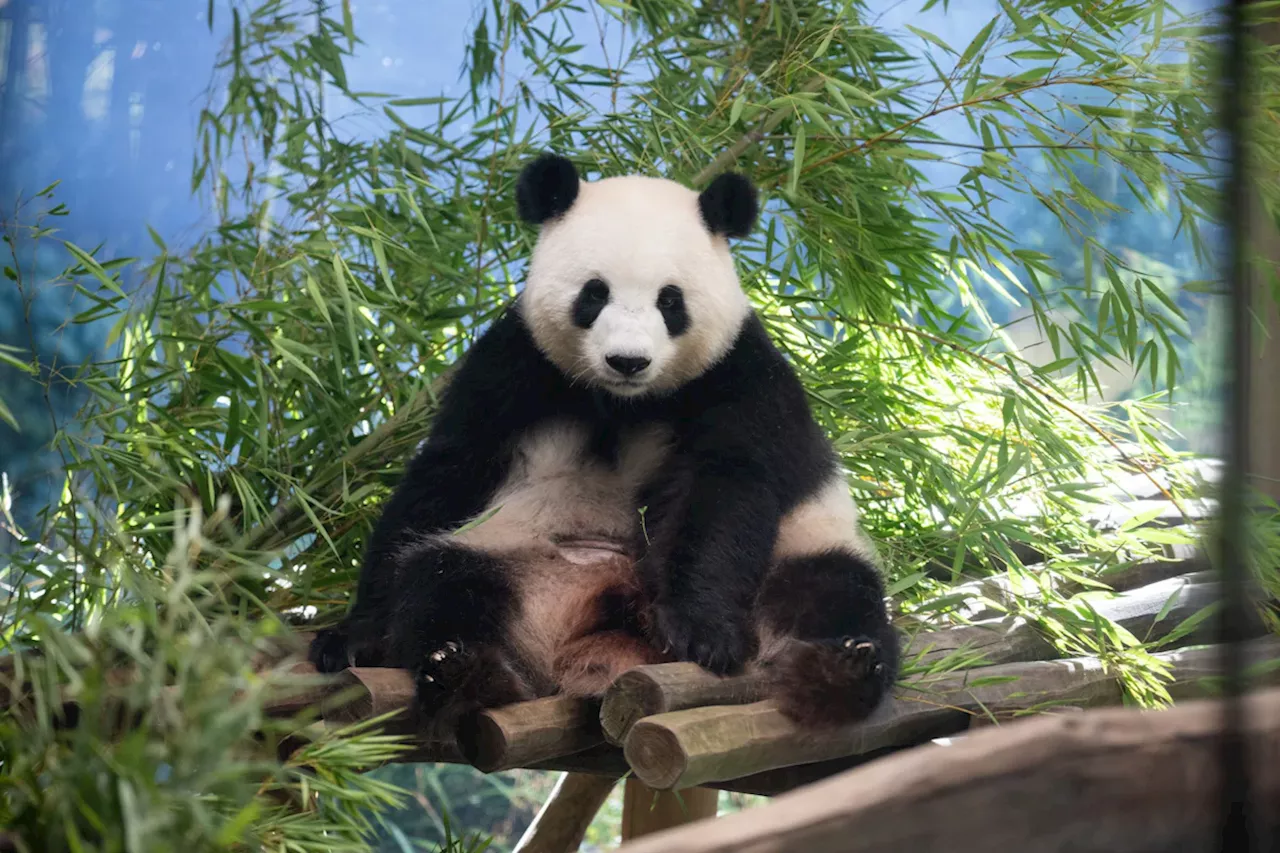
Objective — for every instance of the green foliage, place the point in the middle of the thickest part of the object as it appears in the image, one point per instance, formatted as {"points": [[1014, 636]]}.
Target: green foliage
{"points": [[272, 377], [163, 752]]}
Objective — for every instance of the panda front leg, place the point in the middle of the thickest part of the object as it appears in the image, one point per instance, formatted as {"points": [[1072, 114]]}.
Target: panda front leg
{"points": [[449, 626], [710, 530], [829, 652]]}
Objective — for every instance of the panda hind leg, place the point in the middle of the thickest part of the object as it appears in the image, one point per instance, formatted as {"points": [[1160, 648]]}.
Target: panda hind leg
{"points": [[829, 654], [448, 627]]}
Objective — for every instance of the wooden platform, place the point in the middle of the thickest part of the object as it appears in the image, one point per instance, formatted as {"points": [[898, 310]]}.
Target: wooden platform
{"points": [[675, 726]]}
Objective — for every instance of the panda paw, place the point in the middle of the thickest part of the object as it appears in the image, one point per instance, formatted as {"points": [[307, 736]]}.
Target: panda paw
{"points": [[861, 657], [345, 645], [328, 651], [831, 682], [441, 674], [719, 645]]}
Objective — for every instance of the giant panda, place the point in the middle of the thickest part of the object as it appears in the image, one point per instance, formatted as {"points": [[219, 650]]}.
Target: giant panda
{"points": [[623, 470]]}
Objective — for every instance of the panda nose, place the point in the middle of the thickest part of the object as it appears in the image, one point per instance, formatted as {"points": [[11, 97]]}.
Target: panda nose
{"points": [[627, 365]]}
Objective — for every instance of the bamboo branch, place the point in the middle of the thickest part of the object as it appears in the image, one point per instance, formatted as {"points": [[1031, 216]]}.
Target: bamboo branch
{"points": [[726, 157]]}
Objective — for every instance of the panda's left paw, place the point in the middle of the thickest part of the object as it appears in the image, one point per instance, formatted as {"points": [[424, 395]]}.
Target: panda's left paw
{"points": [[719, 645], [441, 674]]}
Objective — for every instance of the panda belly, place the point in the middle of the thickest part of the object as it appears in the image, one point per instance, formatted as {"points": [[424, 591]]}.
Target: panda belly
{"points": [[563, 522]]}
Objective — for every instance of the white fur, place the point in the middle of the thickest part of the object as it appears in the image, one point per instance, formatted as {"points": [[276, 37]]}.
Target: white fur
{"points": [[827, 521], [556, 492], [637, 234], [560, 506]]}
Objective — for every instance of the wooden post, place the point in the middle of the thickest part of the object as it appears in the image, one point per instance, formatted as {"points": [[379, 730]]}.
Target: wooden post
{"points": [[645, 810], [564, 818], [1264, 390]]}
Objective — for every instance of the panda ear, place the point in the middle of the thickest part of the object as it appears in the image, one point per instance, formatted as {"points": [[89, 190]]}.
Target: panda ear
{"points": [[546, 188], [729, 205]]}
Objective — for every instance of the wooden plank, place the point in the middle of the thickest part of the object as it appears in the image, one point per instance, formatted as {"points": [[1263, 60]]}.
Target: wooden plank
{"points": [[1107, 780], [646, 811], [1183, 560], [648, 690], [702, 745], [527, 732], [563, 820]]}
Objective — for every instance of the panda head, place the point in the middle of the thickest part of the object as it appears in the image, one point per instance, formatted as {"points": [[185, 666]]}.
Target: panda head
{"points": [[631, 287]]}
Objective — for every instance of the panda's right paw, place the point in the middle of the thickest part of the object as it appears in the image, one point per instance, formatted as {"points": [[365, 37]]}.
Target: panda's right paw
{"points": [[718, 645], [328, 651]]}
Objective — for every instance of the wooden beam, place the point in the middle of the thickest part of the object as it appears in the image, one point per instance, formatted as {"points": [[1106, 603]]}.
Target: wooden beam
{"points": [[657, 689], [562, 822], [1264, 390], [646, 811], [1106, 780], [720, 743], [528, 732]]}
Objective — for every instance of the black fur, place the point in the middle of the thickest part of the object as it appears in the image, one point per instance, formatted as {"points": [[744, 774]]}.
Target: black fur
{"points": [[590, 302], [844, 657], [546, 188], [674, 313], [729, 206], [746, 450]]}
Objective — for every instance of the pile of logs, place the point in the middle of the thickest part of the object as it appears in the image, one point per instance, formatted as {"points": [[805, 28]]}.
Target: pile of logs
{"points": [[675, 726]]}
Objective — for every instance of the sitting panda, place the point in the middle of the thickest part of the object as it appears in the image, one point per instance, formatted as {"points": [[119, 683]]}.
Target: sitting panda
{"points": [[623, 471]]}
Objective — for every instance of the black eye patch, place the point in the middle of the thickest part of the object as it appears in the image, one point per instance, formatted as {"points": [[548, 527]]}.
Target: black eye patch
{"points": [[674, 313], [590, 302]]}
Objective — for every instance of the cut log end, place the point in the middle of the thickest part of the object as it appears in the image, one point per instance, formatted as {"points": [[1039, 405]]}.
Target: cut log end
{"points": [[656, 755], [659, 688], [632, 697]]}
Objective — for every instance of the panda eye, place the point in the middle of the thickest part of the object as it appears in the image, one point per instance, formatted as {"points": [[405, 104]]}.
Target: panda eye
{"points": [[595, 291], [670, 297], [589, 303]]}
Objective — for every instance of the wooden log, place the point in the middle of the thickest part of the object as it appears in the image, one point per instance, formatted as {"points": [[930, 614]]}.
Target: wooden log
{"points": [[1183, 560], [380, 690], [657, 689], [1110, 779], [646, 811], [1149, 612], [563, 820], [528, 732], [718, 743]]}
